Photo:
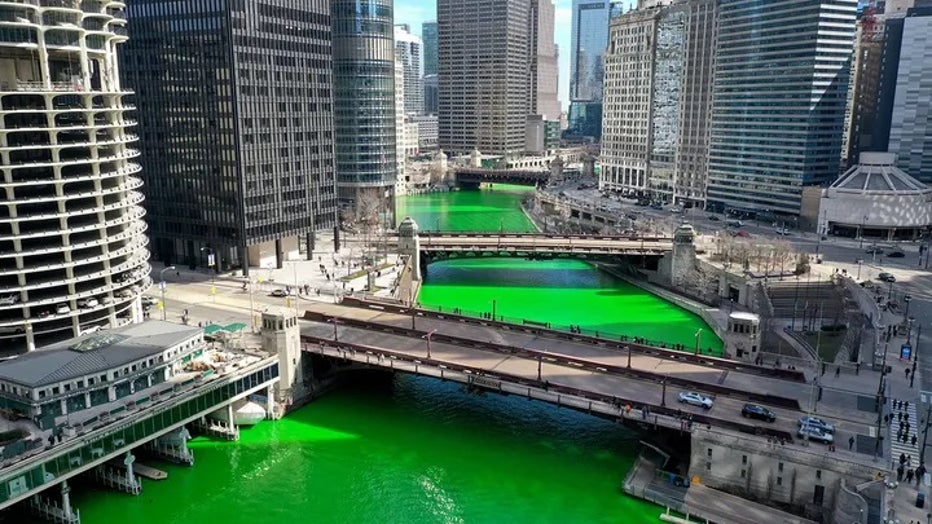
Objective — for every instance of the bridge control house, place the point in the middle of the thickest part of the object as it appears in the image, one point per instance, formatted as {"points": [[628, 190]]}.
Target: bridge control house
{"points": [[78, 375]]}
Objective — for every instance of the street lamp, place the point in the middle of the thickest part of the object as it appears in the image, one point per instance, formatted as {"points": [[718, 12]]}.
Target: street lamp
{"points": [[698, 335], [162, 287], [860, 261], [335, 322], [211, 263], [428, 336], [907, 298]]}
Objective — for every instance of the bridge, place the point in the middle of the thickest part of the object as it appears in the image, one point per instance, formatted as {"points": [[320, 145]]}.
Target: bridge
{"points": [[473, 177], [629, 382], [524, 244]]}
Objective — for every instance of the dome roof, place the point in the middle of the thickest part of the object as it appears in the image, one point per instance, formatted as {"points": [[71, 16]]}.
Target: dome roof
{"points": [[877, 173]]}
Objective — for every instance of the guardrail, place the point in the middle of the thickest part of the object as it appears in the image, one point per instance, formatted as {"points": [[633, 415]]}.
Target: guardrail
{"points": [[621, 345], [563, 360], [592, 402]]}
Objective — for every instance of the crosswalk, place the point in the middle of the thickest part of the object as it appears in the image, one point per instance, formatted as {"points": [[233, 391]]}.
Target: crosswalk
{"points": [[899, 447]]}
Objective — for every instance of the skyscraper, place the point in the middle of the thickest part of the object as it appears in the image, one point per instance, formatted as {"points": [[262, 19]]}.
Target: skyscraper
{"points": [[364, 99], [781, 80], [543, 76], [911, 121], [72, 244], [431, 95], [236, 128], [408, 49], [587, 50], [429, 37]]}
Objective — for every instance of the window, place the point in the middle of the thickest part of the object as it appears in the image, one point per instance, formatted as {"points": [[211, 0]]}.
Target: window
{"points": [[779, 481], [780, 467], [744, 459], [744, 473], [708, 452], [818, 474], [708, 466]]}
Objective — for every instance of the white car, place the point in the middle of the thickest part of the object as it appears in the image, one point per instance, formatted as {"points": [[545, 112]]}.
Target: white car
{"points": [[90, 329], [9, 300], [62, 309], [696, 399], [814, 433], [106, 300], [12, 330], [87, 303]]}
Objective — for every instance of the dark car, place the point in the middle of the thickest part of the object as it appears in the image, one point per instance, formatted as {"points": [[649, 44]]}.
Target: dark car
{"points": [[886, 277], [758, 412], [896, 254], [714, 218]]}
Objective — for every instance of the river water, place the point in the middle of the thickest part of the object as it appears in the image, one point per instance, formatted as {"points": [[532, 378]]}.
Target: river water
{"points": [[416, 450]]}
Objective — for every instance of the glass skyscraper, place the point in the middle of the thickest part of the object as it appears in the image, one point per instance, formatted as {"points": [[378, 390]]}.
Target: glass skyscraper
{"points": [[779, 97], [429, 36], [587, 50], [364, 99]]}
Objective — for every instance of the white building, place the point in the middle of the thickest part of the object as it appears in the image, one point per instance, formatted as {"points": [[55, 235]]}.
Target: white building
{"points": [[401, 180], [874, 199], [409, 50], [427, 131], [72, 239]]}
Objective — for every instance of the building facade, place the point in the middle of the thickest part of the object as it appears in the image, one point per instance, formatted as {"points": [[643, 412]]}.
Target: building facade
{"points": [[911, 121], [427, 132], [408, 50], [236, 131], [543, 77], [400, 178], [779, 100], [429, 37], [589, 39], [483, 75], [72, 238], [364, 100], [431, 94]]}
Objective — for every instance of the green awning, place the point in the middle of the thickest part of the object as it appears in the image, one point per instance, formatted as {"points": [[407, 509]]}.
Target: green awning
{"points": [[212, 329], [234, 327]]}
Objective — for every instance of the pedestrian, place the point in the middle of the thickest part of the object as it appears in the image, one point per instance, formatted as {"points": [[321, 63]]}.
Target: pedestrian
{"points": [[907, 373], [899, 416], [907, 426], [851, 443], [909, 460], [920, 473], [837, 371], [909, 475], [905, 405], [896, 404], [914, 439], [899, 434], [899, 473], [902, 458]]}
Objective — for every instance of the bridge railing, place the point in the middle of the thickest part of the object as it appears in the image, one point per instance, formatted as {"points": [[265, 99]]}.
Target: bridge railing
{"points": [[486, 234], [624, 408], [640, 345], [564, 360]]}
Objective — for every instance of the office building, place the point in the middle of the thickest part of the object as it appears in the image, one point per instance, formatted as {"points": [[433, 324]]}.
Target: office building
{"points": [[236, 129], [911, 121], [431, 94], [364, 101], [779, 100], [589, 39], [408, 50], [400, 178], [484, 66], [72, 238], [429, 37], [427, 132], [543, 76]]}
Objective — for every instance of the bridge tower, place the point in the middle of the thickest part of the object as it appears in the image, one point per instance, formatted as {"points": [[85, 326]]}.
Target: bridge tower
{"points": [[588, 169], [556, 170], [409, 244], [677, 266], [281, 335], [475, 159]]}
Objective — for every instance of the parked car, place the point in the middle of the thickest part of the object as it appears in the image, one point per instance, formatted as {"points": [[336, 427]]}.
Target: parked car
{"points": [[658, 207], [12, 330], [278, 293], [696, 399], [782, 231], [106, 300], [896, 254], [758, 412], [814, 433], [9, 300], [87, 303], [734, 223], [886, 277], [632, 216], [148, 301], [62, 309], [874, 250], [816, 422], [714, 218], [90, 329]]}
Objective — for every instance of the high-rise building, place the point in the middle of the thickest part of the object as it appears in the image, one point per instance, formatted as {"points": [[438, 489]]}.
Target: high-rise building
{"points": [[72, 244], [364, 100], [779, 101], [408, 49], [484, 61], [236, 129], [400, 179], [429, 37], [431, 95], [589, 35], [911, 121], [543, 76]]}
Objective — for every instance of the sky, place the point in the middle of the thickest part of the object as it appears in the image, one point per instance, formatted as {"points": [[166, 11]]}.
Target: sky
{"points": [[416, 12]]}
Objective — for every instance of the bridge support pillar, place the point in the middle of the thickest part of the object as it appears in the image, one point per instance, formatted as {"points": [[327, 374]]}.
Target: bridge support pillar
{"points": [[270, 403], [66, 501]]}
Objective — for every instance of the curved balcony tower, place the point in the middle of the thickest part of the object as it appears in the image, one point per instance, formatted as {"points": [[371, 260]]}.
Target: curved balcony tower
{"points": [[72, 245]]}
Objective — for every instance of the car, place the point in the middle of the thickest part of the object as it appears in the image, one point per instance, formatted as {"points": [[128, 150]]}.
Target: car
{"points": [[743, 234], [816, 422], [62, 309], [734, 223], [658, 207], [106, 300], [874, 250], [676, 209], [632, 216], [814, 433], [782, 231], [90, 329], [695, 399], [12, 330], [758, 412], [148, 301], [886, 277], [896, 254], [87, 303], [9, 300], [714, 218], [44, 313], [278, 293]]}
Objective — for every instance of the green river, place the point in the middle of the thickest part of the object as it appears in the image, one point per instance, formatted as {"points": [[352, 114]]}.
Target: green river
{"points": [[416, 450]]}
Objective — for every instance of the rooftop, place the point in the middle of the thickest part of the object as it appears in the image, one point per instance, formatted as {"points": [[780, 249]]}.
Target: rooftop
{"points": [[877, 172], [95, 353]]}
